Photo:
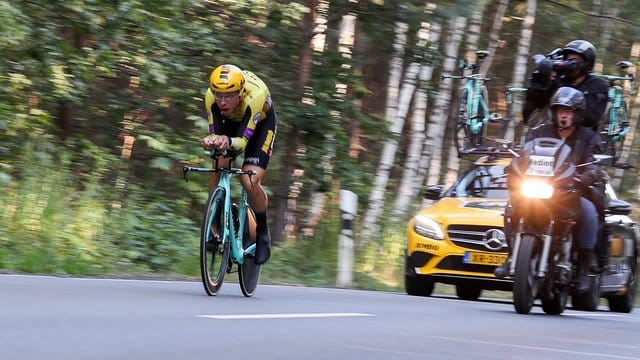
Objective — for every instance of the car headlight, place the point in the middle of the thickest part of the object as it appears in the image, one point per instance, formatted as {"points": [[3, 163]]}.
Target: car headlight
{"points": [[536, 189], [427, 227]]}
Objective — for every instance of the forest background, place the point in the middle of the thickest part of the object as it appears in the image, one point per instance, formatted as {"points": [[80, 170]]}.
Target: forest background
{"points": [[101, 104]]}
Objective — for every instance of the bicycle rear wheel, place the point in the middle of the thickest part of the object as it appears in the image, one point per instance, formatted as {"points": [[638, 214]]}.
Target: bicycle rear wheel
{"points": [[461, 135], [612, 146], [621, 131], [249, 272], [214, 249], [481, 136]]}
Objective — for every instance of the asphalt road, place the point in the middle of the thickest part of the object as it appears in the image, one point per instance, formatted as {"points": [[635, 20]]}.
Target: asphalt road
{"points": [[70, 318]]}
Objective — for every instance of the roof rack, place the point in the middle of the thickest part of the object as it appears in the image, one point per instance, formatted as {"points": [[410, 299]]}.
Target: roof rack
{"points": [[492, 152]]}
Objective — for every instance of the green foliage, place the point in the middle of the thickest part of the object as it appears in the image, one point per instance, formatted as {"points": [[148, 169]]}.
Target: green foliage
{"points": [[310, 260], [56, 219], [381, 265]]}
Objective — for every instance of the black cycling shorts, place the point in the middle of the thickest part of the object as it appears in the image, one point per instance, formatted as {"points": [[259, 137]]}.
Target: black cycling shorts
{"points": [[260, 146]]}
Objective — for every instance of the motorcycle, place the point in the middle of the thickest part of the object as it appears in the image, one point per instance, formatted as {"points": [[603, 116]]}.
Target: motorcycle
{"points": [[544, 200]]}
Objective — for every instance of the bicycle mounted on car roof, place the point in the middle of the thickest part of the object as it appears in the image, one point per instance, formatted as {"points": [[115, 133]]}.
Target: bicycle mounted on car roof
{"points": [[472, 108], [615, 126]]}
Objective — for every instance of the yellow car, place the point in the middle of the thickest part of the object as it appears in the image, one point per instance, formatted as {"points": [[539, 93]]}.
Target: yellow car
{"points": [[459, 240]]}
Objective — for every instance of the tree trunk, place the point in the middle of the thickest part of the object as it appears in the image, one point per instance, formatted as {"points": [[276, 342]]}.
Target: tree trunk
{"points": [[607, 35], [434, 142], [494, 36], [411, 178], [592, 31], [396, 118], [293, 141], [520, 68]]}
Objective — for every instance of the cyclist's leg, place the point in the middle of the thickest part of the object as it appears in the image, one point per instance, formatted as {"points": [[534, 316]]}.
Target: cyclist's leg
{"points": [[256, 158]]}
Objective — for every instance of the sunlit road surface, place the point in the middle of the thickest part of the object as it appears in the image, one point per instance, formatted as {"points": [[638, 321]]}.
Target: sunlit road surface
{"points": [[70, 318]]}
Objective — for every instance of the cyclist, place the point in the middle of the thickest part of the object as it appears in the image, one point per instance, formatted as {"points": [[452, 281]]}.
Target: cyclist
{"points": [[242, 118], [568, 113], [579, 58]]}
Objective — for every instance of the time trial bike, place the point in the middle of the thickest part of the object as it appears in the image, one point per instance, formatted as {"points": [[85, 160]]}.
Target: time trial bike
{"points": [[615, 125], [472, 109], [227, 232]]}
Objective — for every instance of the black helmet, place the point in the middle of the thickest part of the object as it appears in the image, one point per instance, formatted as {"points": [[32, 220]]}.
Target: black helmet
{"points": [[571, 98], [584, 48]]}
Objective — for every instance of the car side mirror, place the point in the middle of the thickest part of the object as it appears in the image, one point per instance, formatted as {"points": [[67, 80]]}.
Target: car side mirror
{"points": [[433, 192]]}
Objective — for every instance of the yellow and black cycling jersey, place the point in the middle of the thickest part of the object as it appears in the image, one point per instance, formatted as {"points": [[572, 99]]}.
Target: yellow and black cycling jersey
{"points": [[254, 107]]}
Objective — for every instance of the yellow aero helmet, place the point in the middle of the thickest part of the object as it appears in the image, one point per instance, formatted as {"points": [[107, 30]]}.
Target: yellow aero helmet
{"points": [[226, 79]]}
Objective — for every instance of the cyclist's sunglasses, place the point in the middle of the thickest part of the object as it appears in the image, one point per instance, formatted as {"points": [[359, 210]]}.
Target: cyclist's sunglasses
{"points": [[226, 96]]}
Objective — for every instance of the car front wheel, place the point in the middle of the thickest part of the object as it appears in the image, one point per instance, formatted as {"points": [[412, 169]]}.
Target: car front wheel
{"points": [[417, 285], [468, 291]]}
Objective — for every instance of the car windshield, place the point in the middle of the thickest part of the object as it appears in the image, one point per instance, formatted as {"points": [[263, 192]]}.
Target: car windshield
{"points": [[487, 181]]}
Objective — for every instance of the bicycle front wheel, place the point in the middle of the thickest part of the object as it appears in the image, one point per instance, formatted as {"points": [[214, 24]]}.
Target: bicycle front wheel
{"points": [[249, 273], [610, 130], [483, 111], [461, 135], [214, 248]]}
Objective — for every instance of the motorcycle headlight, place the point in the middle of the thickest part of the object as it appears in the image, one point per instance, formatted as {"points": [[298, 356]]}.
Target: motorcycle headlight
{"points": [[428, 227], [536, 189]]}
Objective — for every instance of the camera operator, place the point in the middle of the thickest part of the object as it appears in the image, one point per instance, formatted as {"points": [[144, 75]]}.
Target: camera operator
{"points": [[570, 66]]}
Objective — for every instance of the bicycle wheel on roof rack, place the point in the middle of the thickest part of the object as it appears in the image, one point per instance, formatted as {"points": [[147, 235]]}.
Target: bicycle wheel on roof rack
{"points": [[214, 248], [481, 136], [249, 271], [611, 145], [461, 136]]}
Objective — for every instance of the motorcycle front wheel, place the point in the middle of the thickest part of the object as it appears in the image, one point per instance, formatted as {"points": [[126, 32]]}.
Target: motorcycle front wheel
{"points": [[525, 282], [557, 304]]}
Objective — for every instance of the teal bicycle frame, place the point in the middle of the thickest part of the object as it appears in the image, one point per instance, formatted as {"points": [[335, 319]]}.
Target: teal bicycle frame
{"points": [[224, 234], [475, 101], [472, 107], [238, 253]]}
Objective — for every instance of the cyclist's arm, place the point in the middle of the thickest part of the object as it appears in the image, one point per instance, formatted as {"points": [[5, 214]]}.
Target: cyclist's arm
{"points": [[252, 115], [258, 103]]}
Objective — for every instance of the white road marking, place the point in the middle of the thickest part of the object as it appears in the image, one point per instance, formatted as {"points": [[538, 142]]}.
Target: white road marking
{"points": [[281, 316], [587, 314]]}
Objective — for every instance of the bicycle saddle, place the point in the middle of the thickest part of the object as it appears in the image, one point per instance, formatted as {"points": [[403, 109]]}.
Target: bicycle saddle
{"points": [[623, 64], [481, 54]]}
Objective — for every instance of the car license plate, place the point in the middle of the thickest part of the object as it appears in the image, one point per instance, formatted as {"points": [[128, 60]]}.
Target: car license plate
{"points": [[483, 259]]}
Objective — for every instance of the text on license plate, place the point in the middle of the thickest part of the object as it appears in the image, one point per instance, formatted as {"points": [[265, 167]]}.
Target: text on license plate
{"points": [[483, 259]]}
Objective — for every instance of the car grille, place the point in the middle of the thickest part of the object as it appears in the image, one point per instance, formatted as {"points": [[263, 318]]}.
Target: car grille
{"points": [[472, 236]]}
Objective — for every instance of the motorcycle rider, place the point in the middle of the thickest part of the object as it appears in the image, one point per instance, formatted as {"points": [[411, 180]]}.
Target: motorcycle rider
{"points": [[567, 114]]}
